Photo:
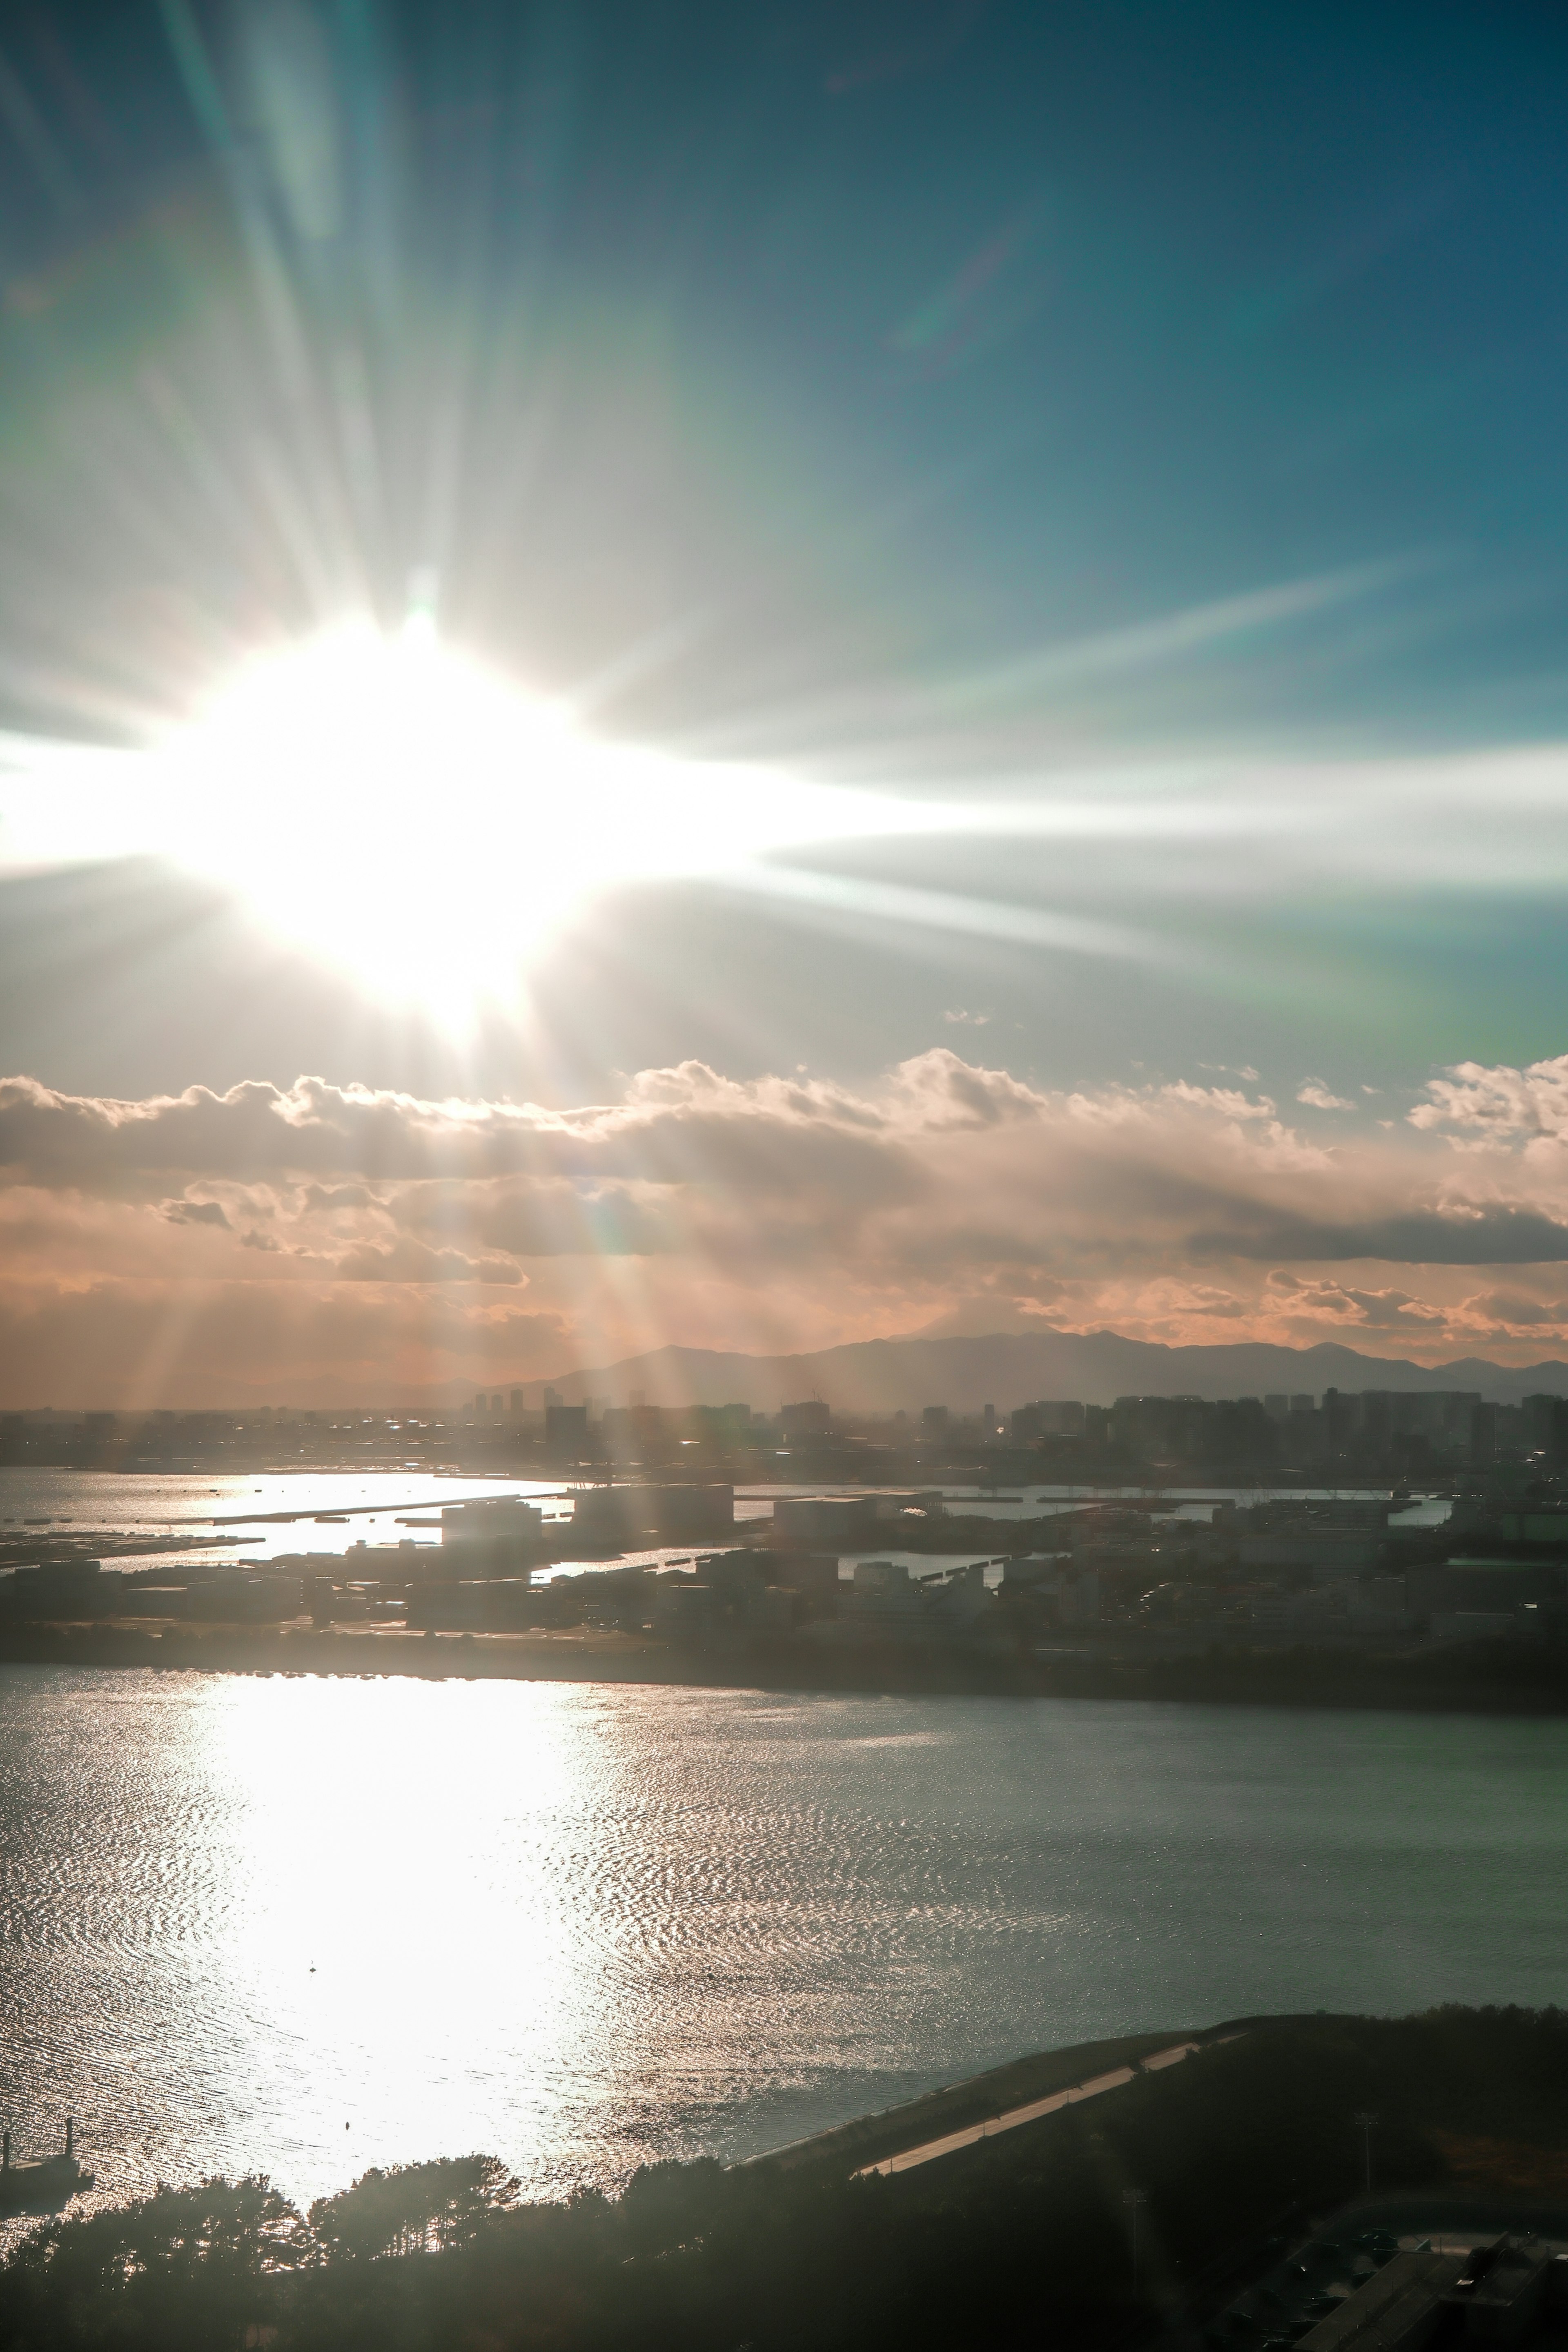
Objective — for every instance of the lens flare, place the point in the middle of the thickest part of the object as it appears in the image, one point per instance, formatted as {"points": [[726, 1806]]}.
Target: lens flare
{"points": [[390, 805], [385, 803]]}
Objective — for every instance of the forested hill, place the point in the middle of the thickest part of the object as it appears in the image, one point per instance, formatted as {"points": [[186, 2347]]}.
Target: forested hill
{"points": [[1021, 2239]]}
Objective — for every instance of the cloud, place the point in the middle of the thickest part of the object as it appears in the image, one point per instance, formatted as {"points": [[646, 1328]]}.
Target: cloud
{"points": [[406, 1260], [786, 1211], [338, 1196], [1333, 1302], [1316, 1095], [194, 1213], [1502, 1310], [1466, 1234], [1500, 1102]]}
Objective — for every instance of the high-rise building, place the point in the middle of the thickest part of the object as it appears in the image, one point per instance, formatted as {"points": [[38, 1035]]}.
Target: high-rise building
{"points": [[1483, 1436], [566, 1426]]}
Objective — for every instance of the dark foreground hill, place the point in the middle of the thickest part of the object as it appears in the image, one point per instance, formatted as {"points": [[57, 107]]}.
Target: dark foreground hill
{"points": [[1016, 2240], [1007, 1369]]}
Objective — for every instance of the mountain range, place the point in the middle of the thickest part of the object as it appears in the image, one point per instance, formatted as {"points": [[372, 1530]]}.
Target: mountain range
{"points": [[1007, 1369]]}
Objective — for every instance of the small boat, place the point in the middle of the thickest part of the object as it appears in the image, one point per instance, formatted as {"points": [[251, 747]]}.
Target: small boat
{"points": [[42, 2184], [331, 1518]]}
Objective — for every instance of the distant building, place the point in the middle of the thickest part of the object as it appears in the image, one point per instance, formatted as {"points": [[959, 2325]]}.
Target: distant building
{"points": [[682, 1610], [75, 1588], [495, 1537], [883, 1589], [1381, 1605], [496, 1604], [719, 1420], [499, 1515], [1503, 2289], [627, 1517], [233, 1597], [1507, 2290], [811, 1419], [1071, 1590], [1047, 1418], [826, 1522], [1546, 1425], [885, 1599], [566, 1426], [768, 1608], [814, 1575], [1314, 1549], [1397, 2310]]}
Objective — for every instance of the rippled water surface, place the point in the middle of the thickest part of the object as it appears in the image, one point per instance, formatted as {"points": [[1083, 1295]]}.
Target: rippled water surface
{"points": [[307, 1925]]}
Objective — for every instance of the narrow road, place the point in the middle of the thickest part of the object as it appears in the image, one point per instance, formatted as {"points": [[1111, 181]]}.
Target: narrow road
{"points": [[1075, 2091]]}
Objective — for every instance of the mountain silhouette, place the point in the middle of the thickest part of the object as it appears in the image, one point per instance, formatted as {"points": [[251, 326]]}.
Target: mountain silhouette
{"points": [[1007, 1369]]}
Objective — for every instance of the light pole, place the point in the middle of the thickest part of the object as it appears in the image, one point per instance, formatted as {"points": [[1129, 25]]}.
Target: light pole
{"points": [[1364, 2123], [1135, 2200]]}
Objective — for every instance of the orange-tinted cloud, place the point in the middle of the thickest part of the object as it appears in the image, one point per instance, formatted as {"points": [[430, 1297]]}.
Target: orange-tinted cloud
{"points": [[325, 1240]]}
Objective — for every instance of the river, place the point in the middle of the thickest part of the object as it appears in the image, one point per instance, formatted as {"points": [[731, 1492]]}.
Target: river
{"points": [[306, 1924]]}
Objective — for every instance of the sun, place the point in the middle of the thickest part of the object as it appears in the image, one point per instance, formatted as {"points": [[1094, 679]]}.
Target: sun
{"points": [[395, 807], [392, 805]]}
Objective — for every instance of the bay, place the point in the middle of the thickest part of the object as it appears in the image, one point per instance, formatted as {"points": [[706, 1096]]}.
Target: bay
{"points": [[303, 1924]]}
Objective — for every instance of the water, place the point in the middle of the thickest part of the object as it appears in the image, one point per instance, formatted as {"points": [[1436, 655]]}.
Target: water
{"points": [[189, 1503], [581, 1926]]}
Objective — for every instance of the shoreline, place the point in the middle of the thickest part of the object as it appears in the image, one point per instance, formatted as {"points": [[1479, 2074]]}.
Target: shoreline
{"points": [[1508, 1684]]}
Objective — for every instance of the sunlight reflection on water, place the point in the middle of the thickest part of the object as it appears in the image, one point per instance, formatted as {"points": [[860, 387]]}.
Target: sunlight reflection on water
{"points": [[582, 1925]]}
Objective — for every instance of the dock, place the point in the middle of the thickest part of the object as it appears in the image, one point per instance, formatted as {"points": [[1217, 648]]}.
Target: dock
{"points": [[41, 2184]]}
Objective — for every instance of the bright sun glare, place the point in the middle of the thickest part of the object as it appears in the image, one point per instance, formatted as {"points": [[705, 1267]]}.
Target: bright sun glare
{"points": [[394, 806], [390, 803]]}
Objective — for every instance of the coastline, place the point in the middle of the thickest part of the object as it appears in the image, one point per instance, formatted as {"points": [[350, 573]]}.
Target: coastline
{"points": [[1483, 1681]]}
